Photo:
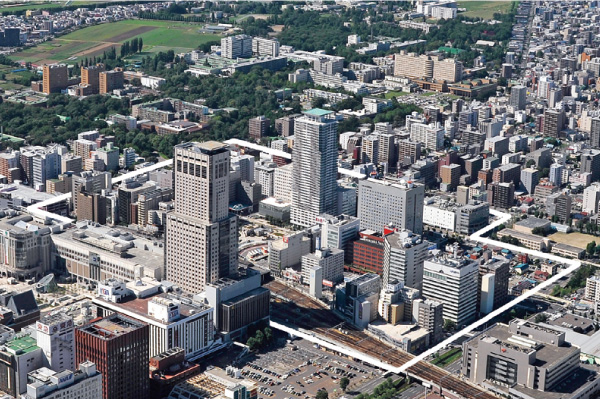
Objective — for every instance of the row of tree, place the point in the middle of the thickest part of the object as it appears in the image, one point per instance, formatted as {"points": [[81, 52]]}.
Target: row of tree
{"points": [[131, 47]]}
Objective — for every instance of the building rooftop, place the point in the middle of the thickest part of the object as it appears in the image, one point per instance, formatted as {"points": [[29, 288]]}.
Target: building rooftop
{"points": [[317, 112], [532, 223], [112, 326], [21, 344]]}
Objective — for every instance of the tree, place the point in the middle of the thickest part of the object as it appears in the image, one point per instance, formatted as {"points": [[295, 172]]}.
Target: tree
{"points": [[140, 44], [322, 394], [590, 248], [449, 325], [344, 382], [252, 344]]}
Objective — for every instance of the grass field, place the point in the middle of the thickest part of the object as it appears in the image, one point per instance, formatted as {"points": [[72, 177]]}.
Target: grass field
{"points": [[157, 36], [578, 240], [449, 357], [484, 9], [46, 5], [391, 94]]}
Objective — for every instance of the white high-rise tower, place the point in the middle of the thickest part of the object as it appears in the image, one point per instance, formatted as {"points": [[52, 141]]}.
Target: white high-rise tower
{"points": [[314, 167]]}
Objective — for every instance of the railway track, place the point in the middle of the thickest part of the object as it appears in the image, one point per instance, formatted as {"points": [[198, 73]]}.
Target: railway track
{"points": [[293, 307]]}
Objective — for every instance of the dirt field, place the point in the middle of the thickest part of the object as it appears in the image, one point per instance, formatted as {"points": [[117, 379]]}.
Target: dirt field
{"points": [[578, 240]]}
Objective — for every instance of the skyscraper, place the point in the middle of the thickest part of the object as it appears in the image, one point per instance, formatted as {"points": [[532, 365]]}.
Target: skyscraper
{"points": [[518, 97], [201, 235], [119, 347], [55, 335], [314, 167], [595, 133]]}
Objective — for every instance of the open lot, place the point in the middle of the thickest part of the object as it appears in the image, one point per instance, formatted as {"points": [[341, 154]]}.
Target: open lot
{"points": [[299, 369], [484, 9], [157, 36], [578, 240]]}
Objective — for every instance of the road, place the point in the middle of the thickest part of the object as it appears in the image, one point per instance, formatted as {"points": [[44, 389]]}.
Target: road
{"points": [[415, 391]]}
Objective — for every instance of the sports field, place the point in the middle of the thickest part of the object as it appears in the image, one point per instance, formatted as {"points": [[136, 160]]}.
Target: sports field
{"points": [[484, 9], [94, 40], [575, 239]]}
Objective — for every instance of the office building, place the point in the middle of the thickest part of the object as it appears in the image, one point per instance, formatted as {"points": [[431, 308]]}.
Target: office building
{"points": [[508, 173], [89, 183], [258, 127], [472, 217], [18, 357], [288, 251], [518, 97], [265, 47], [55, 336], [111, 80], [85, 383], [55, 78], [525, 356], [400, 204], [201, 236], [404, 254], [358, 299], [314, 167], [173, 321], [452, 282], [108, 342], [331, 262], [90, 76], [338, 231], [530, 179], [239, 46], [493, 285], [370, 149], [285, 126], [109, 156]]}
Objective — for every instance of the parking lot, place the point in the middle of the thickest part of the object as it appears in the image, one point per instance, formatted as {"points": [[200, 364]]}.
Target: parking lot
{"points": [[298, 369]]}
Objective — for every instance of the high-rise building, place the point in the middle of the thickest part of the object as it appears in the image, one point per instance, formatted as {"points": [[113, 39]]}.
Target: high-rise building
{"points": [[448, 70], [595, 133], [90, 183], [412, 65], [493, 285], [408, 152], [452, 282], [431, 136], [55, 78], [590, 163], [239, 46], [314, 166], [450, 175], [110, 80], [90, 75], [554, 121], [399, 204], [556, 172], [530, 178], [201, 236], [55, 335], [91, 206], [338, 231], [265, 47], [109, 155], [404, 253], [258, 127], [518, 97], [501, 195], [370, 149], [430, 316], [331, 262], [118, 345], [591, 198], [282, 183]]}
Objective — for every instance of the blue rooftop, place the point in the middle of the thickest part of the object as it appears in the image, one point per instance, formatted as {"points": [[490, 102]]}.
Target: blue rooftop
{"points": [[317, 112]]}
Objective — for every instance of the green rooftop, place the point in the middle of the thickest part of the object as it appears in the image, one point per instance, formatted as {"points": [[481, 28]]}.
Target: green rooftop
{"points": [[450, 50], [317, 112], [22, 345]]}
